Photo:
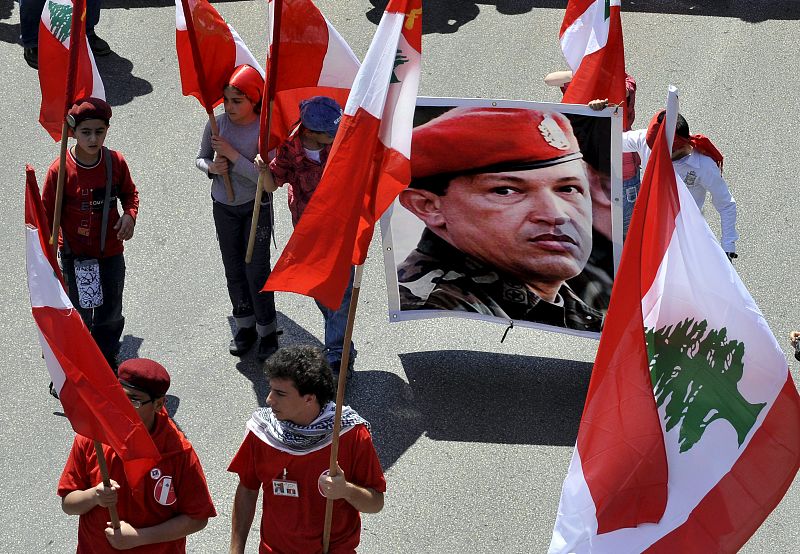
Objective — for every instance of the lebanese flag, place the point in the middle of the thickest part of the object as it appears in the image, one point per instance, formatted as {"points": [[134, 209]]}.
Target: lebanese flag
{"points": [[311, 59], [92, 398], [367, 168], [62, 83], [684, 349], [208, 51], [591, 39]]}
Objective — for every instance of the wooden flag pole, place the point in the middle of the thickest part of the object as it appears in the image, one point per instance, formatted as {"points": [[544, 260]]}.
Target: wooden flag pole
{"points": [[226, 178], [337, 418], [77, 30], [265, 177], [101, 461], [62, 175]]}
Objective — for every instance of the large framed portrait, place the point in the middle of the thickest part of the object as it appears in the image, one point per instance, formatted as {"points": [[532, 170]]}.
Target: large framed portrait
{"points": [[513, 214]]}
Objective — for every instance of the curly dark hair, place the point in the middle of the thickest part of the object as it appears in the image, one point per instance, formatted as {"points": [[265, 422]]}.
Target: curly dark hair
{"points": [[305, 366]]}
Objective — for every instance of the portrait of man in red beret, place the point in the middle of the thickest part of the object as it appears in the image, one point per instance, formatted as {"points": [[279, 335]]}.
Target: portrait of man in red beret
{"points": [[504, 194]]}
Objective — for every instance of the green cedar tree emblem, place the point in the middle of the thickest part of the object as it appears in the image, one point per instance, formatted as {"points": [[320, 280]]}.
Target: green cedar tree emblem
{"points": [[696, 371], [399, 60], [60, 20]]}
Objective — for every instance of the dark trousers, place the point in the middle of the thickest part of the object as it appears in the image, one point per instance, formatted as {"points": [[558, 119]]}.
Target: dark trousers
{"points": [[105, 322], [30, 13], [250, 305]]}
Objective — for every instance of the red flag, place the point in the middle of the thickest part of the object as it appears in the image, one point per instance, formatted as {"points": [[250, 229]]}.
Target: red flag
{"points": [[312, 60], [690, 434], [92, 398], [67, 71], [208, 51], [367, 168], [591, 39]]}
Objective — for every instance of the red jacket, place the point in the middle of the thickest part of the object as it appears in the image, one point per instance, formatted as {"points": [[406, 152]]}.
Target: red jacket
{"points": [[82, 208]]}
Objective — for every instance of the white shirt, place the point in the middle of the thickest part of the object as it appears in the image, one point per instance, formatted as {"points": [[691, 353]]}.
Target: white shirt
{"points": [[701, 175]]}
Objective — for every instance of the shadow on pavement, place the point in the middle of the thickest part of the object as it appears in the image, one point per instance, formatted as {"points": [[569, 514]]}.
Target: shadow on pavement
{"points": [[122, 86], [498, 398], [447, 16], [290, 333], [129, 348], [467, 396]]}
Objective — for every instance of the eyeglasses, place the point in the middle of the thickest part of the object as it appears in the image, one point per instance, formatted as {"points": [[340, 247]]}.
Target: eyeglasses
{"points": [[139, 403]]}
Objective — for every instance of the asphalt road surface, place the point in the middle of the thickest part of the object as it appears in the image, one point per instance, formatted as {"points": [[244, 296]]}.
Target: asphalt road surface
{"points": [[475, 435]]}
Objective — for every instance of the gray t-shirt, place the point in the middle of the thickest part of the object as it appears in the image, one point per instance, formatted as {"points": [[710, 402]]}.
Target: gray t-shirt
{"points": [[243, 174]]}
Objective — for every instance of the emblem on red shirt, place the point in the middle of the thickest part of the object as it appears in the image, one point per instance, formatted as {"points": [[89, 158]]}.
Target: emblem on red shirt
{"points": [[163, 491], [155, 473]]}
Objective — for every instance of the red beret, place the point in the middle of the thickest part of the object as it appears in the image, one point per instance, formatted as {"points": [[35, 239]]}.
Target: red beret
{"points": [[144, 375], [88, 108], [247, 79], [490, 140]]}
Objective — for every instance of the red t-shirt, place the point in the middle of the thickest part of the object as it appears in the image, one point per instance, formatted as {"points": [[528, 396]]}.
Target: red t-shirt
{"points": [[82, 208], [295, 524], [175, 486]]}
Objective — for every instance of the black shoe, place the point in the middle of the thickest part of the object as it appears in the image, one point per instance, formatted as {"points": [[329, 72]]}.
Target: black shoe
{"points": [[336, 367], [31, 56], [267, 347], [243, 341], [53, 392], [99, 46]]}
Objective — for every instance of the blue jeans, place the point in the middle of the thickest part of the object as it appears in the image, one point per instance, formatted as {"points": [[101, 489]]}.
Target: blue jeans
{"points": [[30, 13], [336, 325], [104, 322], [250, 305], [630, 191]]}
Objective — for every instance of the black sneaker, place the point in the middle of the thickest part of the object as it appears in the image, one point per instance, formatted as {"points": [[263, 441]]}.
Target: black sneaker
{"points": [[336, 367], [99, 46], [267, 347], [31, 56], [243, 341]]}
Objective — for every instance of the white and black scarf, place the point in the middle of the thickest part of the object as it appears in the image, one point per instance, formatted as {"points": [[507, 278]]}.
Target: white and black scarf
{"points": [[302, 439]]}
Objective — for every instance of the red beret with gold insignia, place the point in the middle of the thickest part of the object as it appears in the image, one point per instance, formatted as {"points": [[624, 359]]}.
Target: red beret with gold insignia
{"points": [[467, 141], [88, 108]]}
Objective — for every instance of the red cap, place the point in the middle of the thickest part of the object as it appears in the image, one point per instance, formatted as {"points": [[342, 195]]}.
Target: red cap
{"points": [[88, 108], [247, 79], [144, 375], [469, 140]]}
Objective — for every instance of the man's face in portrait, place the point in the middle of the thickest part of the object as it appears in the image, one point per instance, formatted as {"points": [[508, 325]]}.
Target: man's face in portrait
{"points": [[534, 224]]}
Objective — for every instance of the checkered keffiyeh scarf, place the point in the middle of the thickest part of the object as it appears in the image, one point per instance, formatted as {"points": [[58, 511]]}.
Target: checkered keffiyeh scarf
{"points": [[301, 439]]}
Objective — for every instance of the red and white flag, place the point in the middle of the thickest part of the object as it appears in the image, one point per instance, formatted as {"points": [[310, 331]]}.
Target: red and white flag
{"points": [[591, 39], [62, 84], [690, 435], [313, 60], [367, 168], [90, 393], [208, 51]]}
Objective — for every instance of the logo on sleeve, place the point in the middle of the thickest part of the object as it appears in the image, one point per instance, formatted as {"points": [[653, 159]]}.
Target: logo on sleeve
{"points": [[163, 492], [155, 473]]}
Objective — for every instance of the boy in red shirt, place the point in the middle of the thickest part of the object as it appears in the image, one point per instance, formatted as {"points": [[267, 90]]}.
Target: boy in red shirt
{"points": [[85, 243], [287, 453], [169, 504]]}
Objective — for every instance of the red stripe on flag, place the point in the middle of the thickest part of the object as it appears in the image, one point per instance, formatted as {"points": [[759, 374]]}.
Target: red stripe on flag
{"points": [[63, 77], [601, 74], [620, 439], [334, 209], [575, 9], [93, 399], [206, 53], [732, 511], [36, 217], [395, 174]]}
